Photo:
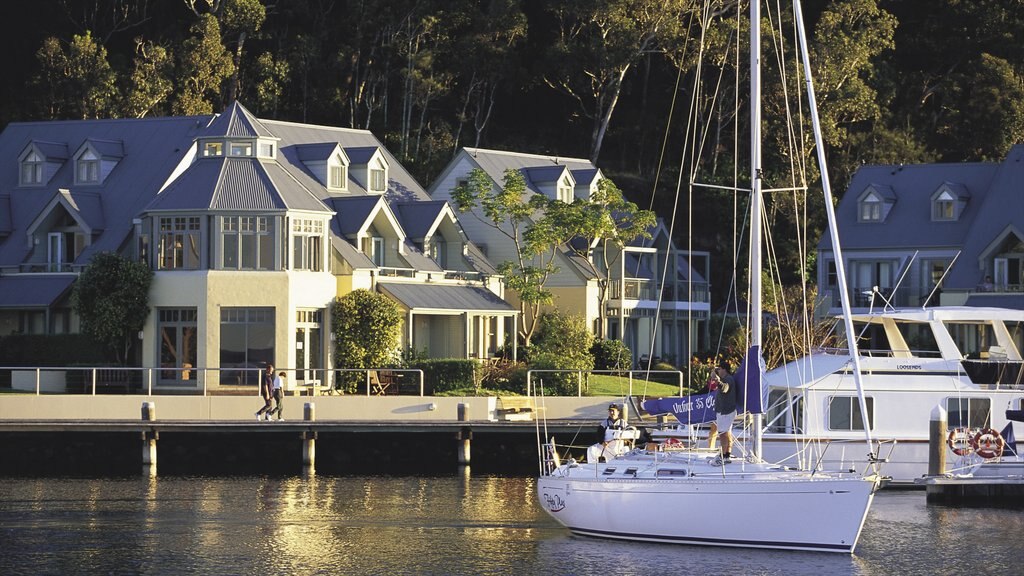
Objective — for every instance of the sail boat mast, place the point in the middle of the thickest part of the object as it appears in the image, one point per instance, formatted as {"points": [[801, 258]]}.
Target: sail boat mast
{"points": [[826, 188], [755, 194]]}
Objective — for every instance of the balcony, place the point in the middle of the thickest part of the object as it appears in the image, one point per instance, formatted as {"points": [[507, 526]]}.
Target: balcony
{"points": [[643, 289]]}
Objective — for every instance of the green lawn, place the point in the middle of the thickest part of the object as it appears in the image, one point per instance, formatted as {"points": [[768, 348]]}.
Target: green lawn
{"points": [[607, 385]]}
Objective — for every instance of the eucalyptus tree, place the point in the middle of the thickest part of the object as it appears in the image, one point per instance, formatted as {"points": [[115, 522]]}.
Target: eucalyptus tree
{"points": [[149, 84], [598, 42], [204, 65], [75, 79], [237, 20]]}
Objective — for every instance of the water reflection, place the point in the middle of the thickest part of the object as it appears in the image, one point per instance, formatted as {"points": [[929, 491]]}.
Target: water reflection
{"points": [[458, 524]]}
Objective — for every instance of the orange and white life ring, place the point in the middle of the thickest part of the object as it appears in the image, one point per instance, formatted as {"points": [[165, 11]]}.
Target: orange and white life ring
{"points": [[988, 443], [960, 441]]}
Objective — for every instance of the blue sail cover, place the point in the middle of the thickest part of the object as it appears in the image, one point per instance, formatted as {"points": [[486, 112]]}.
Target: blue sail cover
{"points": [[695, 409], [752, 396], [700, 408]]}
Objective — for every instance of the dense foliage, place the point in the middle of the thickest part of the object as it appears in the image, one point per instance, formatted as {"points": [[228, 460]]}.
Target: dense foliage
{"points": [[897, 81], [111, 297], [367, 331]]}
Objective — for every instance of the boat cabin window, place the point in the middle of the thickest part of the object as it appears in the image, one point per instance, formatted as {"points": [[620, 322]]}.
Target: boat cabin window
{"points": [[609, 471], [785, 412], [968, 412], [920, 339], [844, 413], [973, 339]]}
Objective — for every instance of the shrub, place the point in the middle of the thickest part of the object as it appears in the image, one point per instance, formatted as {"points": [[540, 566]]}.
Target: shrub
{"points": [[611, 355], [367, 330], [446, 375]]}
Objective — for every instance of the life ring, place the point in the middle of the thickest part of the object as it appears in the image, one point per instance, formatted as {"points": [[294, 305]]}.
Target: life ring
{"points": [[988, 443], [960, 441]]}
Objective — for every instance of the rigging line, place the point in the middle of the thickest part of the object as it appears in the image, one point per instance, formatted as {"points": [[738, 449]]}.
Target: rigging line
{"points": [[939, 283]]}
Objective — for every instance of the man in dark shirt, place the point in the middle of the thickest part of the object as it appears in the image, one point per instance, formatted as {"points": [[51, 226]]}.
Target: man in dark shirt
{"points": [[725, 408]]}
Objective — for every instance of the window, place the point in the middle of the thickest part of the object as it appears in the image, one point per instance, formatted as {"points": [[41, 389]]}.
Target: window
{"points": [[88, 168], [565, 191], [307, 244], [213, 149], [178, 334], [179, 243], [246, 344], [266, 149], [377, 180], [969, 412], [248, 243], [944, 207], [844, 413], [870, 209], [309, 349], [439, 253], [831, 274], [338, 177], [374, 249], [240, 149], [32, 170], [58, 251]]}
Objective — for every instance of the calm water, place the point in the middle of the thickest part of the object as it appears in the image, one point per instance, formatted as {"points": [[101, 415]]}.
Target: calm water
{"points": [[439, 525]]}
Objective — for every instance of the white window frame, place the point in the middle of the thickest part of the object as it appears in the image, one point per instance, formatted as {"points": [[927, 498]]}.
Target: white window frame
{"points": [[870, 209], [337, 175], [944, 207], [87, 167], [32, 169], [378, 180], [849, 408], [213, 149], [307, 244], [240, 148]]}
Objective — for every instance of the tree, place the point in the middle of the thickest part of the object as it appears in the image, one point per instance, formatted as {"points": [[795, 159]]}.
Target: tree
{"points": [[111, 297], [598, 43], [605, 223], [149, 84], [527, 220], [272, 76], [367, 331], [77, 82], [204, 66], [563, 343]]}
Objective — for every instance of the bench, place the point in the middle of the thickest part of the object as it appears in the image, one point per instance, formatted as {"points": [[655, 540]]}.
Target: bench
{"points": [[516, 408]]}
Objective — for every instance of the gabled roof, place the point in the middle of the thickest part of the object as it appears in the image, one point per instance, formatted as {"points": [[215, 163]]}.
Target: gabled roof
{"points": [[108, 149], [85, 207], [881, 190], [495, 162], [237, 122], [33, 290], [909, 223], [51, 150], [361, 154], [420, 219], [543, 174], [153, 148], [352, 213], [320, 152], [585, 176]]}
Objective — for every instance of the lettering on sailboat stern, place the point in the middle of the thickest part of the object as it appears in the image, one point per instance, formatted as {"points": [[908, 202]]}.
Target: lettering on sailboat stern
{"points": [[554, 502], [909, 367]]}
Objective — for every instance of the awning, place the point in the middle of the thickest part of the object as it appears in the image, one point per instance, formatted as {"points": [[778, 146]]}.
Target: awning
{"points": [[989, 300], [33, 290], [446, 299]]}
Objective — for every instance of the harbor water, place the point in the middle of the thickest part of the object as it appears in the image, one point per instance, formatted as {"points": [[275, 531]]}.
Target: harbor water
{"points": [[448, 524]]}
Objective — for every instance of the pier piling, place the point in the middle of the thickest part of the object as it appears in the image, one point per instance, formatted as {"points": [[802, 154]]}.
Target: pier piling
{"points": [[149, 438], [464, 436], [937, 430], [309, 439]]}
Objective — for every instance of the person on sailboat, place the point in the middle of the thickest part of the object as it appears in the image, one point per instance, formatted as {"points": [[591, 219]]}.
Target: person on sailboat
{"points": [[725, 408], [610, 444]]}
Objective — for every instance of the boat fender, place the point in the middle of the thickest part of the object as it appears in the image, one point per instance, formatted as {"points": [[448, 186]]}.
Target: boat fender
{"points": [[960, 441], [988, 443]]}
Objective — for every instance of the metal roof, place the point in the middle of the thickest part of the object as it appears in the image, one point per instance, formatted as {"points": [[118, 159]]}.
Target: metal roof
{"points": [[237, 122], [33, 290], [418, 218], [446, 298]]}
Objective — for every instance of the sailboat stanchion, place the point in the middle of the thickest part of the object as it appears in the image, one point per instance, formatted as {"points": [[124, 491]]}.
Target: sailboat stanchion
{"points": [[464, 436]]}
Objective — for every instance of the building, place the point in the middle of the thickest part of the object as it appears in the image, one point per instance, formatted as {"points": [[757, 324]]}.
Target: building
{"points": [[656, 299], [931, 234], [252, 228]]}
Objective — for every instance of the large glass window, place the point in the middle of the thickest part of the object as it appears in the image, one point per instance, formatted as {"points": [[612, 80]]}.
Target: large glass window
{"points": [[240, 149], [968, 412], [307, 244], [374, 249], [246, 344], [248, 243], [178, 334], [179, 243], [32, 170], [844, 413]]}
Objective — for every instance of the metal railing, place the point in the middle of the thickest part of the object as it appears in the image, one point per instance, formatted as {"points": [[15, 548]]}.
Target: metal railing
{"points": [[81, 380], [646, 376]]}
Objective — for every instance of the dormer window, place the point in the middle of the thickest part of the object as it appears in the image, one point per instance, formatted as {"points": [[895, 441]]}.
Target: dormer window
{"points": [[377, 180], [32, 169], [565, 190], [87, 168], [944, 207], [871, 209], [949, 201], [337, 173], [240, 149], [267, 149], [211, 149]]}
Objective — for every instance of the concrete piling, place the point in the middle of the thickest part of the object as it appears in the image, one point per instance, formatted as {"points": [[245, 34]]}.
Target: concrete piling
{"points": [[937, 431], [464, 436], [149, 438], [309, 439]]}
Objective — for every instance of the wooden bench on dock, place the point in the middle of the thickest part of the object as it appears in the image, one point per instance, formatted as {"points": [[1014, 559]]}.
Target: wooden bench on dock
{"points": [[516, 408]]}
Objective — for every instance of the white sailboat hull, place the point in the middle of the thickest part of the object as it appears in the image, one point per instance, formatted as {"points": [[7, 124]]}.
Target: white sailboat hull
{"points": [[746, 505]]}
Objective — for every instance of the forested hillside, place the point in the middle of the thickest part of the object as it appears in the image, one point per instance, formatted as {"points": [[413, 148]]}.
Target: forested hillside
{"points": [[898, 80]]}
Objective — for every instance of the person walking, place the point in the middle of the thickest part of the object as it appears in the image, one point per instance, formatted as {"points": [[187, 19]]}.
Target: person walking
{"points": [[266, 392], [277, 390]]}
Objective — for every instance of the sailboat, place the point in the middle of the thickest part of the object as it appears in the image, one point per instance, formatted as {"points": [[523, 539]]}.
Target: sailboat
{"points": [[689, 495]]}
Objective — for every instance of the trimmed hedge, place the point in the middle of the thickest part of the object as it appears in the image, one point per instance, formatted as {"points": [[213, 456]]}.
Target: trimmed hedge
{"points": [[51, 350], [445, 375]]}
